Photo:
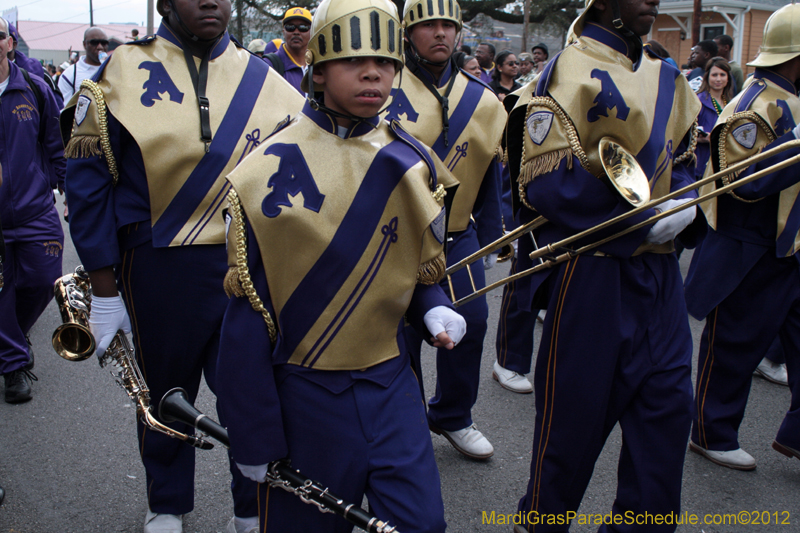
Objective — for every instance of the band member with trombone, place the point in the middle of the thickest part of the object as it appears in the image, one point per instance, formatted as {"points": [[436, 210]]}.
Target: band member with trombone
{"points": [[312, 362], [153, 137], [462, 120], [616, 345], [744, 277]]}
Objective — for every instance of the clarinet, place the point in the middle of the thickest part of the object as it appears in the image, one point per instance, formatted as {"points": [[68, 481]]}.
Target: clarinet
{"points": [[175, 407]]}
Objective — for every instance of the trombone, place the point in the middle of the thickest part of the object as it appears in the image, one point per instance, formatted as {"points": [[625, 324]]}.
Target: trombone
{"points": [[549, 255], [623, 173]]}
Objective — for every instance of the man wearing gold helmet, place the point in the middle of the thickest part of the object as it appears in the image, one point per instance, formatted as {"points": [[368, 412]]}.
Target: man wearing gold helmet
{"points": [[744, 277], [313, 366], [462, 120], [153, 137], [616, 345]]}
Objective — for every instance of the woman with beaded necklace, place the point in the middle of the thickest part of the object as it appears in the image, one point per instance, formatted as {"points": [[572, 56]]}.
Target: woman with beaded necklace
{"points": [[714, 93]]}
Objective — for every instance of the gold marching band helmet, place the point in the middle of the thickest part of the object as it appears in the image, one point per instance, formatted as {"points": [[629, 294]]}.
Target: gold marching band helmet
{"points": [[781, 41], [353, 28], [416, 11]]}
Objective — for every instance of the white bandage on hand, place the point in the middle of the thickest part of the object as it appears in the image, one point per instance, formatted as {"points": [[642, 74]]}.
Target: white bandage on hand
{"points": [[108, 315], [668, 228], [443, 319], [257, 473], [490, 261]]}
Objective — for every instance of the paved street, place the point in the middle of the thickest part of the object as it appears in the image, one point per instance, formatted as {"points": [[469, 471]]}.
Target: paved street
{"points": [[68, 459]]}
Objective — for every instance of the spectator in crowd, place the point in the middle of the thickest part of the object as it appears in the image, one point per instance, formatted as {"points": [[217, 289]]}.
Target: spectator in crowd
{"points": [[273, 45], [715, 92], [134, 34], [471, 66], [526, 68], [485, 56], [257, 47], [95, 43], [701, 53], [724, 46], [59, 71], [290, 59], [505, 73], [33, 66], [661, 52], [541, 54], [34, 165], [467, 49]]}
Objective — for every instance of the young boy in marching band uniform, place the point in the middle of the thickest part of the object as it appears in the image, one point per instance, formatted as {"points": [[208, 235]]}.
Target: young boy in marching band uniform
{"points": [[312, 365]]}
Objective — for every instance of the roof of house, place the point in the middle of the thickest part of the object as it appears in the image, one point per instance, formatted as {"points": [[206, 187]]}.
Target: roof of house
{"points": [[65, 35]]}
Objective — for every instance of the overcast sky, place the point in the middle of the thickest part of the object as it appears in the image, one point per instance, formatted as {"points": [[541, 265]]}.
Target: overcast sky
{"points": [[105, 11]]}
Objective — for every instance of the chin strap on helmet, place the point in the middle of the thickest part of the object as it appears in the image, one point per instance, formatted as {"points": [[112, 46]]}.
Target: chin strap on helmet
{"points": [[620, 27]]}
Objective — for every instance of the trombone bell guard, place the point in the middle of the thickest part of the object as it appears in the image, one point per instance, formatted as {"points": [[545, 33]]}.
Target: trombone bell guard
{"points": [[624, 172]]}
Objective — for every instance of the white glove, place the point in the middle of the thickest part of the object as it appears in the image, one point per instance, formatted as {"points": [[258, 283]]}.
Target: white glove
{"points": [[108, 316], [490, 261], [257, 473], [443, 319], [668, 228], [796, 131]]}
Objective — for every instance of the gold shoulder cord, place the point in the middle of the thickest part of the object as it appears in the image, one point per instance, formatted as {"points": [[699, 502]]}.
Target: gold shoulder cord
{"points": [[241, 264], [552, 159], [105, 142], [689, 153], [723, 156]]}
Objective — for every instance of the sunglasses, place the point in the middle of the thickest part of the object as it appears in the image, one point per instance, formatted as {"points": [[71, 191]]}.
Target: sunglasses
{"points": [[95, 42], [509, 63], [3, 35], [302, 28]]}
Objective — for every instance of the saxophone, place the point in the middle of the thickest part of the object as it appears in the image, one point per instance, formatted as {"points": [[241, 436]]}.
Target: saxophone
{"points": [[73, 341]]}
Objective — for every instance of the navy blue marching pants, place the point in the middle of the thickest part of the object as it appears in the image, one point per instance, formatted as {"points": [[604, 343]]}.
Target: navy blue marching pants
{"points": [[737, 335], [616, 347], [368, 439], [31, 266], [176, 302], [514, 330]]}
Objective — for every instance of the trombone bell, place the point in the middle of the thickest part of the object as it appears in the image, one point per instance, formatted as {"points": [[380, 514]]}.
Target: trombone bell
{"points": [[624, 172]]}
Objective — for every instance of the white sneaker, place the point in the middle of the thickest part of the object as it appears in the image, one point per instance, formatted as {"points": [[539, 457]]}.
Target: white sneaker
{"points": [[737, 459], [242, 525], [469, 441], [774, 372], [162, 523], [510, 380]]}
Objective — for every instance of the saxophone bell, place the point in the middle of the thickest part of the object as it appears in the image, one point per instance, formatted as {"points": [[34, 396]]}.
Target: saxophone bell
{"points": [[72, 340]]}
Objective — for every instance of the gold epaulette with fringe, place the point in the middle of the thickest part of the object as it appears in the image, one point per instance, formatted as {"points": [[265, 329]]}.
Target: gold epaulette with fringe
{"points": [[432, 272], [82, 146], [750, 116], [542, 164], [237, 281]]}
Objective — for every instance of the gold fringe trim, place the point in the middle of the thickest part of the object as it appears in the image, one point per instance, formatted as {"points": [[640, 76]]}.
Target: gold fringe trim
{"points": [[82, 146], [243, 271], [540, 165], [499, 153], [432, 272], [232, 285], [105, 141], [543, 164]]}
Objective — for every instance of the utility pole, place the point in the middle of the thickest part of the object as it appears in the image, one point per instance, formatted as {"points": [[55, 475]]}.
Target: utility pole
{"points": [[526, 17], [698, 7], [149, 17], [91, 14]]}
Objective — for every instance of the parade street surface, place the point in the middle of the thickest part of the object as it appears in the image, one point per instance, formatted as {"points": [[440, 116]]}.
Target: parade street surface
{"points": [[69, 461]]}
